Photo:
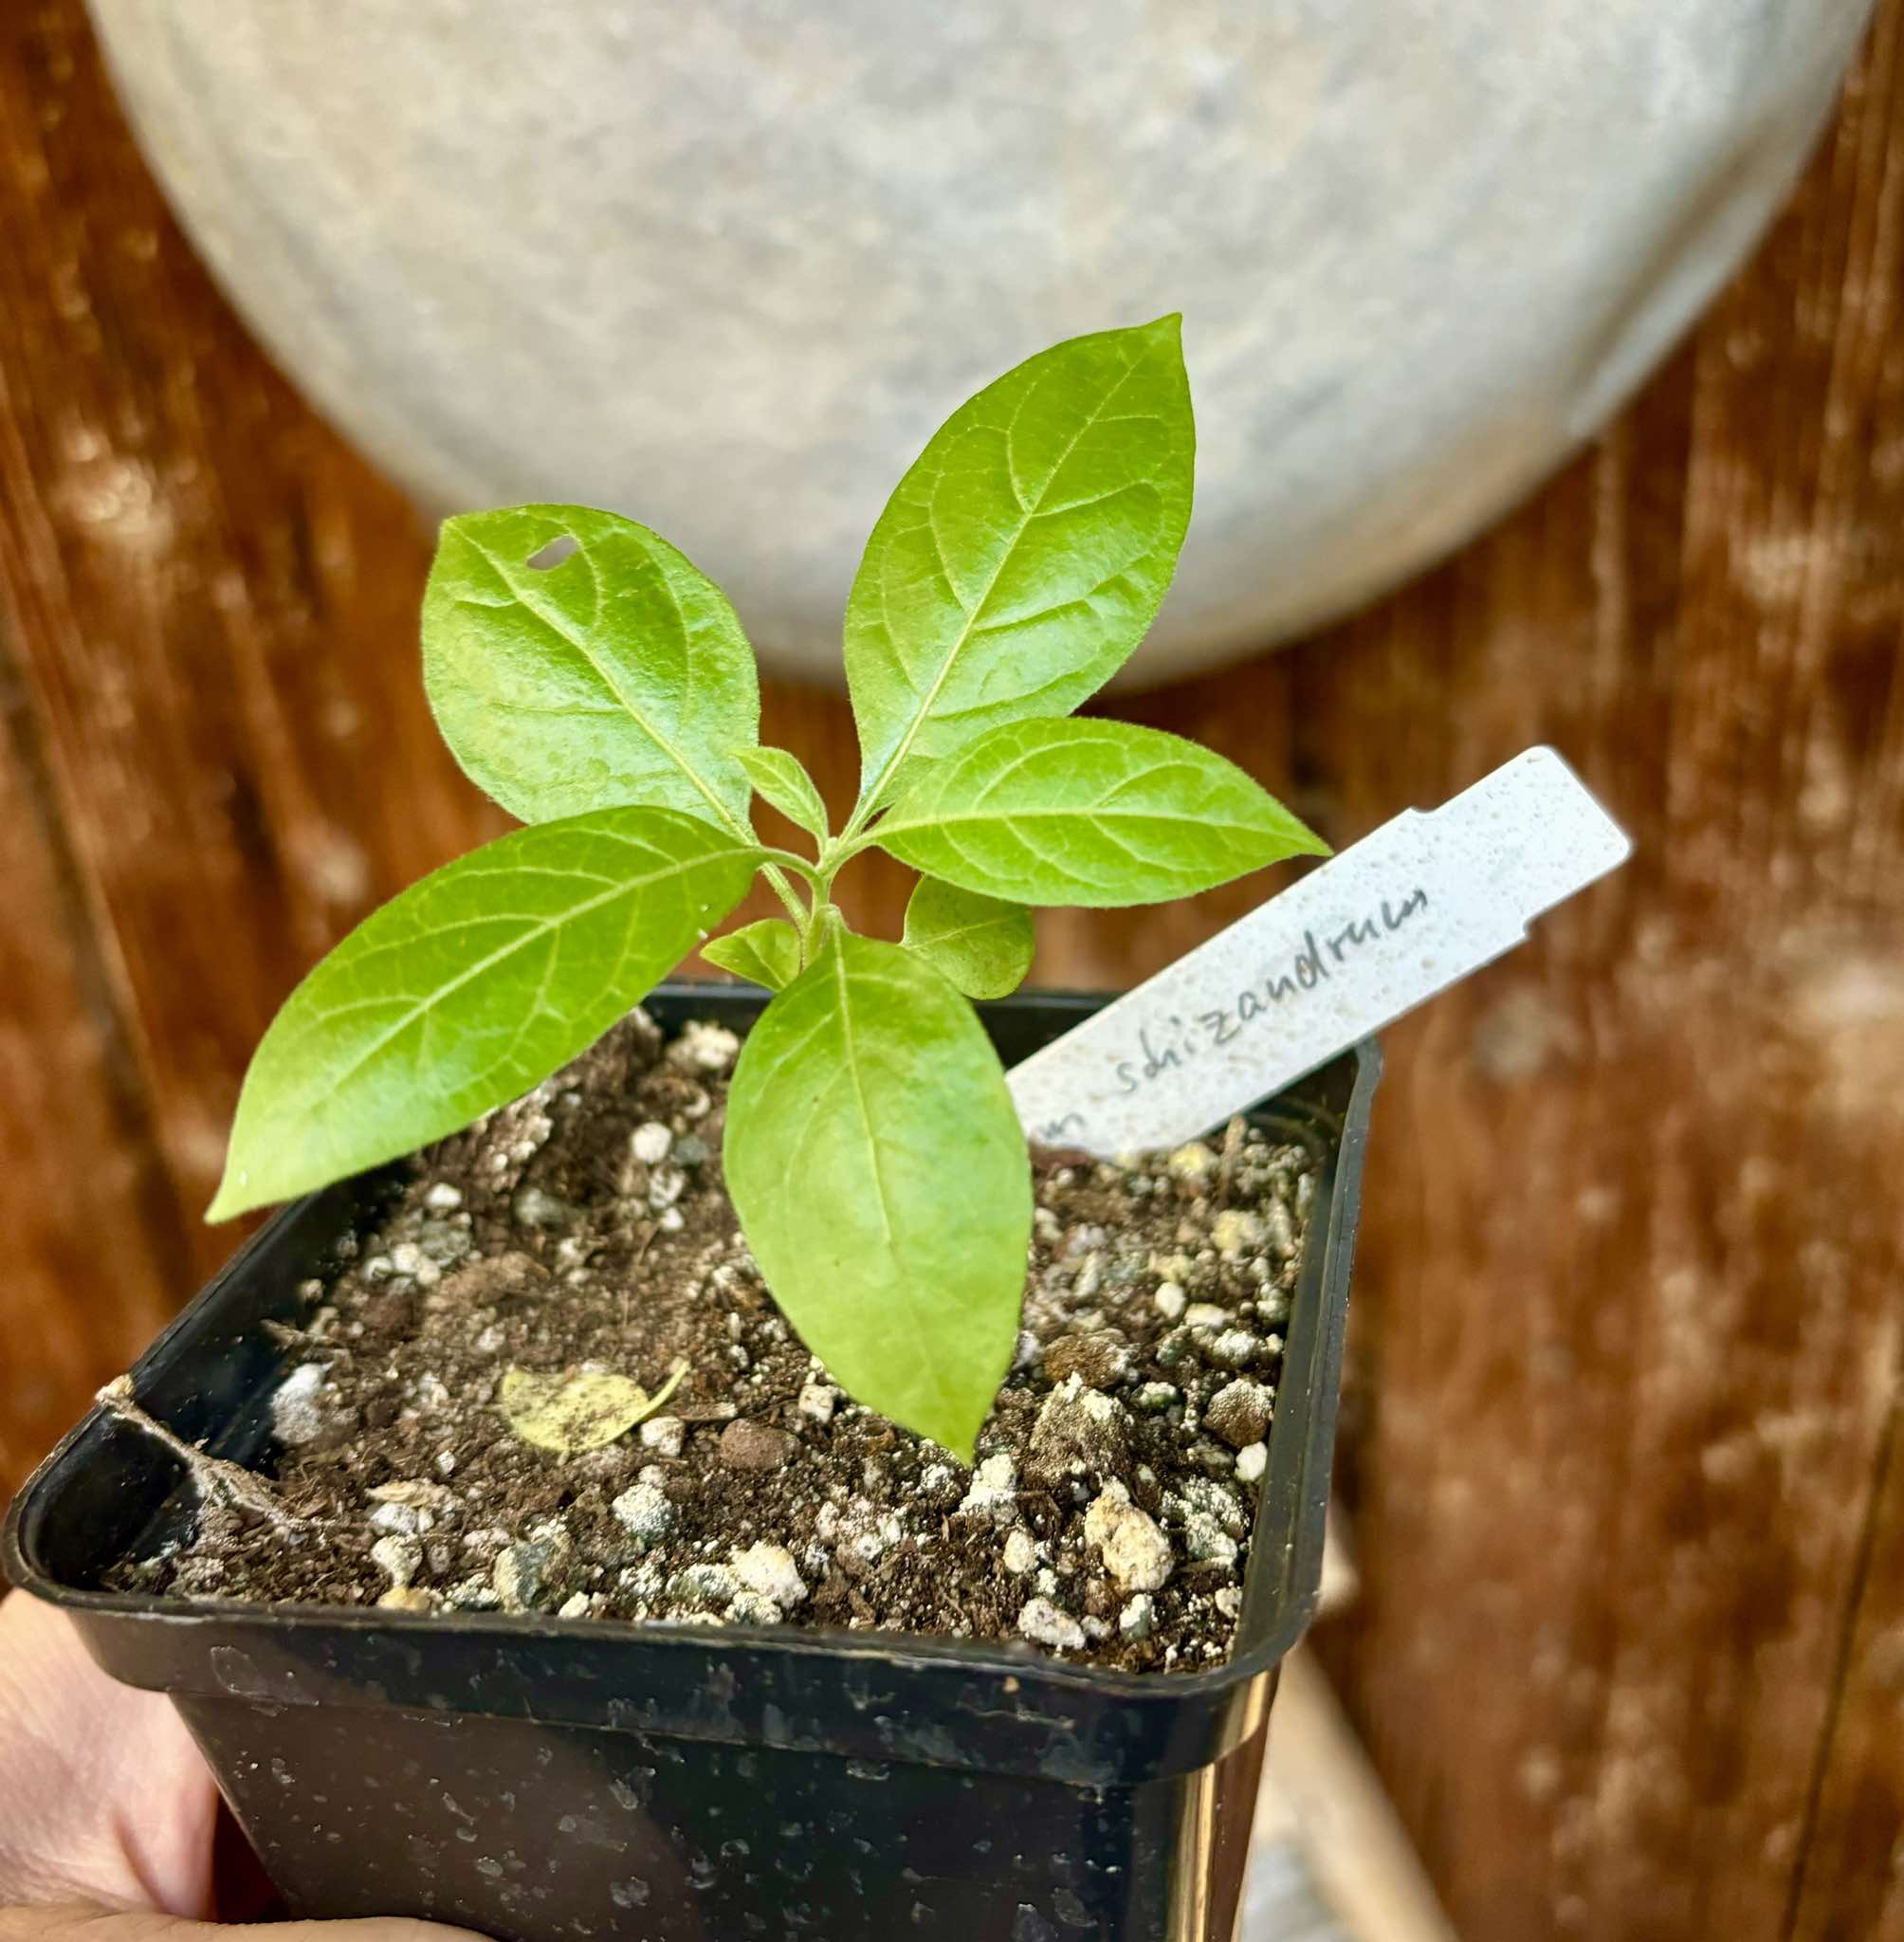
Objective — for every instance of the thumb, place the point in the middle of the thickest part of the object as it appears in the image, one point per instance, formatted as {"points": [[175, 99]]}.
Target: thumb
{"points": [[97, 1925]]}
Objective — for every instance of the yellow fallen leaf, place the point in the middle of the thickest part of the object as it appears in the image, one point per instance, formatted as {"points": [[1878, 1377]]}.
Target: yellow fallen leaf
{"points": [[573, 1410]]}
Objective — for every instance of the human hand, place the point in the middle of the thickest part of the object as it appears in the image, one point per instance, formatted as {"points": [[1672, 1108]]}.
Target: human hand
{"points": [[107, 1814]]}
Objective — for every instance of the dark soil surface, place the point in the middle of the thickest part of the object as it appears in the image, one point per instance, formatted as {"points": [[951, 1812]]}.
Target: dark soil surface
{"points": [[587, 1226]]}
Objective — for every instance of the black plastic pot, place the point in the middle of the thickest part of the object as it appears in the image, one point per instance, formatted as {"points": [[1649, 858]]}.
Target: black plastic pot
{"points": [[537, 1780]]}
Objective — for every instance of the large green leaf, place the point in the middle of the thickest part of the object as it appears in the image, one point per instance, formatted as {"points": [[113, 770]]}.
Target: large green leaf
{"points": [[767, 952], [1024, 555], [883, 1186], [1092, 812], [469, 988], [618, 675], [982, 944]]}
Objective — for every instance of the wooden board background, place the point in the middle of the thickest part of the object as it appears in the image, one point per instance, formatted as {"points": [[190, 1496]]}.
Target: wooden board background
{"points": [[1621, 1433]]}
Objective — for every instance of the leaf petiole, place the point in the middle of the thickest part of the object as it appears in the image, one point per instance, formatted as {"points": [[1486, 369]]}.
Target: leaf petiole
{"points": [[800, 866], [784, 890]]}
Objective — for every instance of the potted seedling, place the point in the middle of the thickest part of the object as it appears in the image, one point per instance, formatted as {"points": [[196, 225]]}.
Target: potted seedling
{"points": [[690, 1468]]}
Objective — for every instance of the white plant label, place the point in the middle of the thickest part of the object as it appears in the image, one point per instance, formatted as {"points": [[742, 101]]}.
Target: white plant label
{"points": [[1394, 919]]}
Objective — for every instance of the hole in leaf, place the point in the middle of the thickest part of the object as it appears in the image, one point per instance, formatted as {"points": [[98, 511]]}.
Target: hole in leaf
{"points": [[554, 553]]}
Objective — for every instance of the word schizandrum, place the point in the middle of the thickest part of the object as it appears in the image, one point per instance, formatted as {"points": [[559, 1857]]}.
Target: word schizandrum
{"points": [[609, 700]]}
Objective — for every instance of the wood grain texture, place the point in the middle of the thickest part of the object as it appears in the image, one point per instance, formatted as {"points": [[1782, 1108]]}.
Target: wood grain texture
{"points": [[1847, 1886], [210, 606], [1620, 1436], [95, 1255], [1630, 1298]]}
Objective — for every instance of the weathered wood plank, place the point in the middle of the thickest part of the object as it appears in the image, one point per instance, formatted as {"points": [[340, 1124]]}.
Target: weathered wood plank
{"points": [[213, 607], [93, 1244], [1635, 1293], [1850, 1881]]}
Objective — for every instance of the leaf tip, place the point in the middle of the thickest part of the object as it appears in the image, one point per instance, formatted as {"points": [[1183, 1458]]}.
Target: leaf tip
{"points": [[232, 1199], [957, 1439]]}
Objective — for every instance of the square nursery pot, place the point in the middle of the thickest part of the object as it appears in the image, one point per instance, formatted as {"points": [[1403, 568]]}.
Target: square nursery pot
{"points": [[536, 1779]]}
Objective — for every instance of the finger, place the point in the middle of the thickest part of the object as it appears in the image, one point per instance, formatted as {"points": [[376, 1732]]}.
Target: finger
{"points": [[94, 1925], [103, 1797]]}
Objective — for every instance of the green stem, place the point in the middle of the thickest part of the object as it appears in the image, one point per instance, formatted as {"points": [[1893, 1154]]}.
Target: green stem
{"points": [[785, 891], [813, 930], [798, 865], [850, 843], [774, 866], [857, 822]]}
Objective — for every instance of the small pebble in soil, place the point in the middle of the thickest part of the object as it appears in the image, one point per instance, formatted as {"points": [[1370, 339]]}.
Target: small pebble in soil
{"points": [[409, 1258], [749, 1445], [1100, 1358], [645, 1513], [535, 1208], [528, 1575], [297, 1415], [1079, 1435], [705, 1047], [1193, 1161], [1216, 1499], [664, 1435], [406, 1520], [408, 1597], [1236, 1230], [1207, 1542], [1251, 1461], [769, 1569], [1240, 1412], [1136, 1552], [1043, 1623], [994, 1493], [1235, 1348], [398, 1557], [704, 1587]]}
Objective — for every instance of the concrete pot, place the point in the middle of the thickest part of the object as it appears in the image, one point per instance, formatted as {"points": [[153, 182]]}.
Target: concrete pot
{"points": [[724, 265]]}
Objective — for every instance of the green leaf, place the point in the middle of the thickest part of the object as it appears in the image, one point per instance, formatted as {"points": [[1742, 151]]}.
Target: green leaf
{"points": [[573, 1410], [1024, 556], [883, 1186], [1090, 813], [768, 952], [982, 944], [779, 777], [619, 674], [469, 988]]}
